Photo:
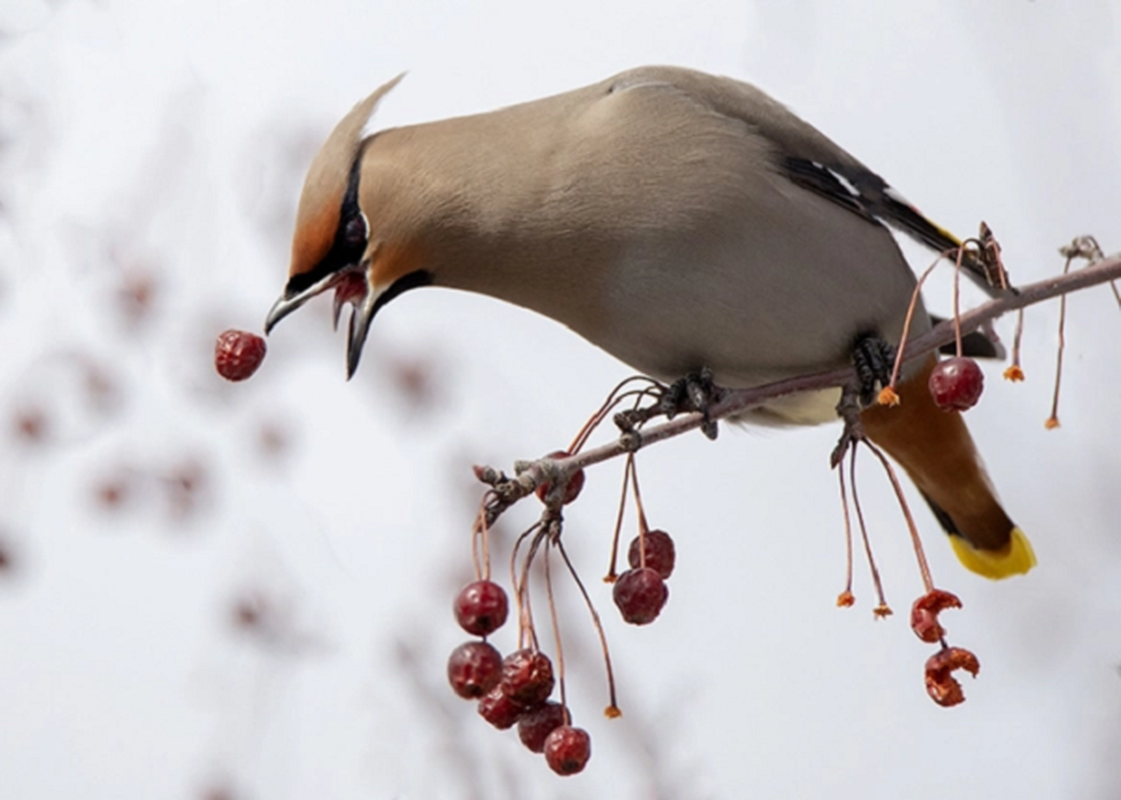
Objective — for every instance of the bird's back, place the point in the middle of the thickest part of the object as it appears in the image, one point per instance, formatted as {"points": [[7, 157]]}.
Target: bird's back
{"points": [[650, 213]]}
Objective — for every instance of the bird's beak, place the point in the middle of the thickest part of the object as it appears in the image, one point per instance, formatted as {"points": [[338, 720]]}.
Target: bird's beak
{"points": [[290, 301], [350, 285], [359, 328]]}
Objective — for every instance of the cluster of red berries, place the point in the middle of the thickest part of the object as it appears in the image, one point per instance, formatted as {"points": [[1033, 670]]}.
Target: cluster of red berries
{"points": [[515, 689], [641, 591]]}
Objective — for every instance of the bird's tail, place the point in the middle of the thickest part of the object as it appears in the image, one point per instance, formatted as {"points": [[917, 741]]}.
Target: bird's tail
{"points": [[936, 450]]}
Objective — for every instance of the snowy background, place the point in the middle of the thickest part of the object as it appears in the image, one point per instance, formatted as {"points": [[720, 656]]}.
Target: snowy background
{"points": [[218, 591]]}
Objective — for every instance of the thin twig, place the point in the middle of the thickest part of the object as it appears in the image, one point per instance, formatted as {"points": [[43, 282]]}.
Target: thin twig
{"points": [[612, 709]]}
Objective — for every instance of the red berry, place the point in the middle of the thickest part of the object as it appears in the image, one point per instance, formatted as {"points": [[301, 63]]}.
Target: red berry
{"points": [[956, 384], [660, 554], [538, 723], [568, 749], [527, 677], [481, 607], [499, 710], [575, 482], [925, 611], [474, 668], [640, 594], [941, 685], [237, 354]]}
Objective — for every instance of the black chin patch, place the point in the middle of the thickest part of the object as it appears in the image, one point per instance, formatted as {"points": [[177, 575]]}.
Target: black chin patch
{"points": [[414, 280]]}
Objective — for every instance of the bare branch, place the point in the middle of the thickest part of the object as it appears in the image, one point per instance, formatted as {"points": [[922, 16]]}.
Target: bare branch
{"points": [[732, 402]]}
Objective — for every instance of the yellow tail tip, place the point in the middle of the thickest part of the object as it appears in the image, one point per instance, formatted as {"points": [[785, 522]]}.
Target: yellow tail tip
{"points": [[1015, 558]]}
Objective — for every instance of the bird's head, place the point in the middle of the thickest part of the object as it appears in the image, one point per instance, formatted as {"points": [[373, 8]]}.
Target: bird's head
{"points": [[336, 245]]}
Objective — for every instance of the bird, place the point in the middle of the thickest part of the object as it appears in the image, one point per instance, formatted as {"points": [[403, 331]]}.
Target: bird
{"points": [[680, 221]]}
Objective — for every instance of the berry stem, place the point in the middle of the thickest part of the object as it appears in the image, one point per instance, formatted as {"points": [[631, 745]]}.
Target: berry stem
{"points": [[1053, 420], [527, 635], [611, 573], [847, 593], [481, 532], [556, 628], [614, 398], [957, 297], [876, 582], [1016, 339], [907, 321], [924, 567], [613, 707], [642, 526]]}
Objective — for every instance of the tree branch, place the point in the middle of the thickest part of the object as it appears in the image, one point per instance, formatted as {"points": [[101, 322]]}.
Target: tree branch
{"points": [[530, 474]]}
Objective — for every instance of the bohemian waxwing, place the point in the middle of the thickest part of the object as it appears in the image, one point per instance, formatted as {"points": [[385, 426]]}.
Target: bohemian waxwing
{"points": [[676, 219]]}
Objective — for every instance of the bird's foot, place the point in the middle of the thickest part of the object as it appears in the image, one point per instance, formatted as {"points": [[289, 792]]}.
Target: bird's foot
{"points": [[873, 359], [848, 409], [696, 392]]}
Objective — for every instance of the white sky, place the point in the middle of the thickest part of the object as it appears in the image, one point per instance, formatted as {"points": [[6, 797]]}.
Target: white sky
{"points": [[172, 135]]}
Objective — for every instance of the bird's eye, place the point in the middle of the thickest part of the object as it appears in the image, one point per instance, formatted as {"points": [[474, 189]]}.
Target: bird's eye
{"points": [[355, 231]]}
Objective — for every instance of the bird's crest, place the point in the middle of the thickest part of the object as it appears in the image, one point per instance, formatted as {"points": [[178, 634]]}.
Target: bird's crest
{"points": [[317, 218]]}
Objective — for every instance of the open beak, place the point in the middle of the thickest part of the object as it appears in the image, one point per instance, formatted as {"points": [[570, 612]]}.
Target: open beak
{"points": [[351, 287]]}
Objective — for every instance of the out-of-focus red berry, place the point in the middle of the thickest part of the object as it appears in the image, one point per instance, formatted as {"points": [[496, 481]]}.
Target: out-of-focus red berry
{"points": [[660, 553], [481, 607], [640, 595], [575, 483], [31, 425], [568, 749], [956, 384], [474, 668], [238, 354]]}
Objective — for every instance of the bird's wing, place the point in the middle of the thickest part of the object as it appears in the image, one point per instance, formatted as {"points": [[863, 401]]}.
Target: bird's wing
{"points": [[813, 161]]}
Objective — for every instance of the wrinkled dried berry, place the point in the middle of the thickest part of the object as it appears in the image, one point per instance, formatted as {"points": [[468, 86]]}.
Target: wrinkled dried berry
{"points": [[527, 677], [238, 354], [539, 722], [640, 595], [660, 553], [474, 668], [924, 614], [481, 607], [499, 710], [941, 685], [568, 749]]}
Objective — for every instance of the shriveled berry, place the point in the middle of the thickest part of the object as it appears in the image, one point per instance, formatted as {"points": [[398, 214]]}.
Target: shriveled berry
{"points": [[941, 685], [568, 749], [499, 710], [956, 384], [925, 611], [571, 490], [474, 668], [527, 677], [660, 553], [539, 722], [640, 594], [237, 354], [481, 607]]}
